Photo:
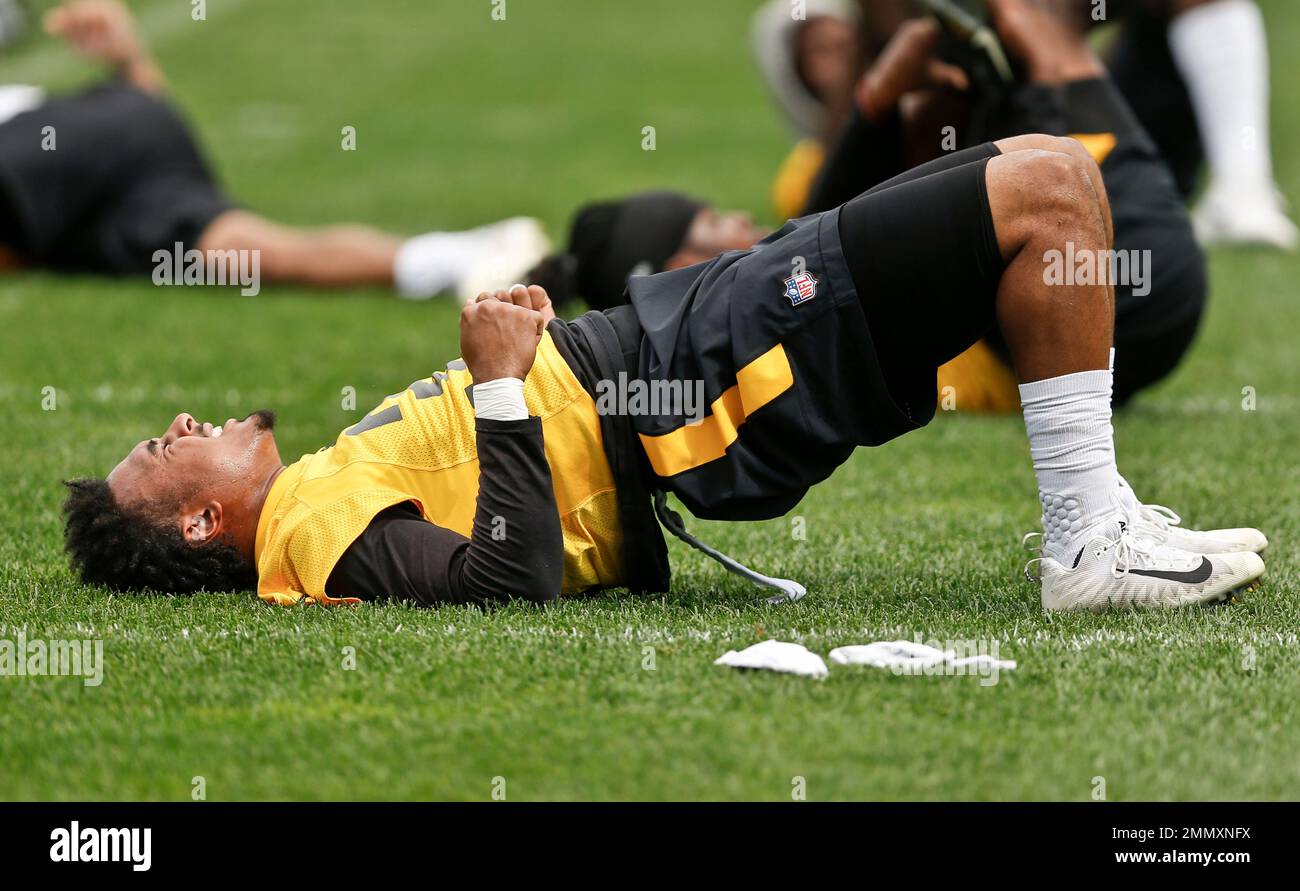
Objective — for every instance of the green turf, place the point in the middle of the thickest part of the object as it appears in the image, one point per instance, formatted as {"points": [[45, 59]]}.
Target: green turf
{"points": [[461, 119]]}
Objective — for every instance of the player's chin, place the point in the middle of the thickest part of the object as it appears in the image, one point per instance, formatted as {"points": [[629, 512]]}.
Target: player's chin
{"points": [[264, 418]]}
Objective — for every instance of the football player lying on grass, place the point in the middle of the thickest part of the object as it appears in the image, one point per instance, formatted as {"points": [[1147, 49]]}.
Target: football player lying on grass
{"points": [[514, 473], [127, 181], [1159, 299]]}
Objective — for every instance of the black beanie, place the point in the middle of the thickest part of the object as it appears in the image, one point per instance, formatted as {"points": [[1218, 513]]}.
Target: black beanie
{"points": [[611, 239]]}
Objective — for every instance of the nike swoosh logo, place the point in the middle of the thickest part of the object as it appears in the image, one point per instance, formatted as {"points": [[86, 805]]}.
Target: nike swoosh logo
{"points": [[1078, 557], [1192, 577]]}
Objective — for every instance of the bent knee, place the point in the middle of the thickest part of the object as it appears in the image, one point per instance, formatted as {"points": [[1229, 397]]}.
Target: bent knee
{"points": [[1068, 145], [1060, 182], [1065, 145], [1036, 193], [1062, 145]]}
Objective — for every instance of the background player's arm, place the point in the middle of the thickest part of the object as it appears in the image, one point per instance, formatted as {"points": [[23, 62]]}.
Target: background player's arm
{"points": [[103, 30], [870, 148]]}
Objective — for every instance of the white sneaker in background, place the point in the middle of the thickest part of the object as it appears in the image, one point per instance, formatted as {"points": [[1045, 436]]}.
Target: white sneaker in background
{"points": [[469, 262], [1244, 215], [503, 253]]}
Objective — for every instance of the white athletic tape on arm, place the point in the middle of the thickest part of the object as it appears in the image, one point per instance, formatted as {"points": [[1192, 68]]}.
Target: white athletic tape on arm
{"points": [[500, 400]]}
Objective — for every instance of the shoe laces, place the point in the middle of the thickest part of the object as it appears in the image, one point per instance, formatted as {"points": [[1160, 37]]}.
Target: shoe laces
{"points": [[1156, 520], [1142, 530], [1134, 549], [1131, 552]]}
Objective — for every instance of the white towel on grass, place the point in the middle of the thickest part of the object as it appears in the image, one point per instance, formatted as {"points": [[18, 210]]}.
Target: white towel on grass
{"points": [[912, 657], [776, 655]]}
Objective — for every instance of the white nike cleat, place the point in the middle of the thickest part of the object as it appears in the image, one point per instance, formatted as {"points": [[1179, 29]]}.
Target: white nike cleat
{"points": [[505, 252], [1159, 524], [1244, 216], [1117, 569]]}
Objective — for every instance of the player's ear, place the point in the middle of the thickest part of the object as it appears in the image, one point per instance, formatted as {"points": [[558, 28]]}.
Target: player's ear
{"points": [[202, 525]]}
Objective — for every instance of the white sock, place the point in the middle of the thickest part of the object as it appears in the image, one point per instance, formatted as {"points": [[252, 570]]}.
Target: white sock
{"points": [[429, 264], [1073, 447], [1221, 52]]}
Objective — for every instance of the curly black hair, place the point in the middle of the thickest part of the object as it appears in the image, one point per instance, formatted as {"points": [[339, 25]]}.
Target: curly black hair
{"points": [[128, 549]]}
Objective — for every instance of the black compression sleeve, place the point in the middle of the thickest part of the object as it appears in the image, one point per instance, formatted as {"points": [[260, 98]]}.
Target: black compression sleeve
{"points": [[515, 549]]}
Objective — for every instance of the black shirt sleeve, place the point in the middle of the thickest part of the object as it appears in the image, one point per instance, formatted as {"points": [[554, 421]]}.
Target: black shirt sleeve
{"points": [[865, 154], [515, 549]]}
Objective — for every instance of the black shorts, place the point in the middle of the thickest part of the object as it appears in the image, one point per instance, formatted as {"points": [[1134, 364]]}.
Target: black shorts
{"points": [[782, 342], [123, 180]]}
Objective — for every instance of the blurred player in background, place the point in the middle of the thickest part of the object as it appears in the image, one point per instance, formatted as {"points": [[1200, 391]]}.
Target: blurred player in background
{"points": [[895, 122], [1194, 68], [101, 179], [645, 233], [810, 65], [1195, 73], [909, 100]]}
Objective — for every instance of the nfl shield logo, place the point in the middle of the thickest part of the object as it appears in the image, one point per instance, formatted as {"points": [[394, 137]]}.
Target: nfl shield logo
{"points": [[801, 288]]}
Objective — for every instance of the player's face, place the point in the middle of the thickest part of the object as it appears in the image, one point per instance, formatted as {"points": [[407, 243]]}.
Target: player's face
{"points": [[829, 56], [197, 459], [713, 232]]}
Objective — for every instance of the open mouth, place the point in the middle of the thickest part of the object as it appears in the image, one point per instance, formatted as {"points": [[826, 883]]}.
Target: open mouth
{"points": [[262, 420]]}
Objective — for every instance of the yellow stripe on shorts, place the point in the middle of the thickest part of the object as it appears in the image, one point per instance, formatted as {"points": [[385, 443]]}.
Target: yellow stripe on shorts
{"points": [[690, 446]]}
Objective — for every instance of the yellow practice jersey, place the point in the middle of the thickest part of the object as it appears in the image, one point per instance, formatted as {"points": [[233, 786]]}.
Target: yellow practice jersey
{"points": [[419, 446]]}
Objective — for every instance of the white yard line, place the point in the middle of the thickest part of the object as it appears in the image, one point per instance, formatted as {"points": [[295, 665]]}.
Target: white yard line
{"points": [[649, 634]]}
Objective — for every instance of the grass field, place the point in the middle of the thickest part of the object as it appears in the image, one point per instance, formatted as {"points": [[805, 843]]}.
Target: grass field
{"points": [[461, 119]]}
